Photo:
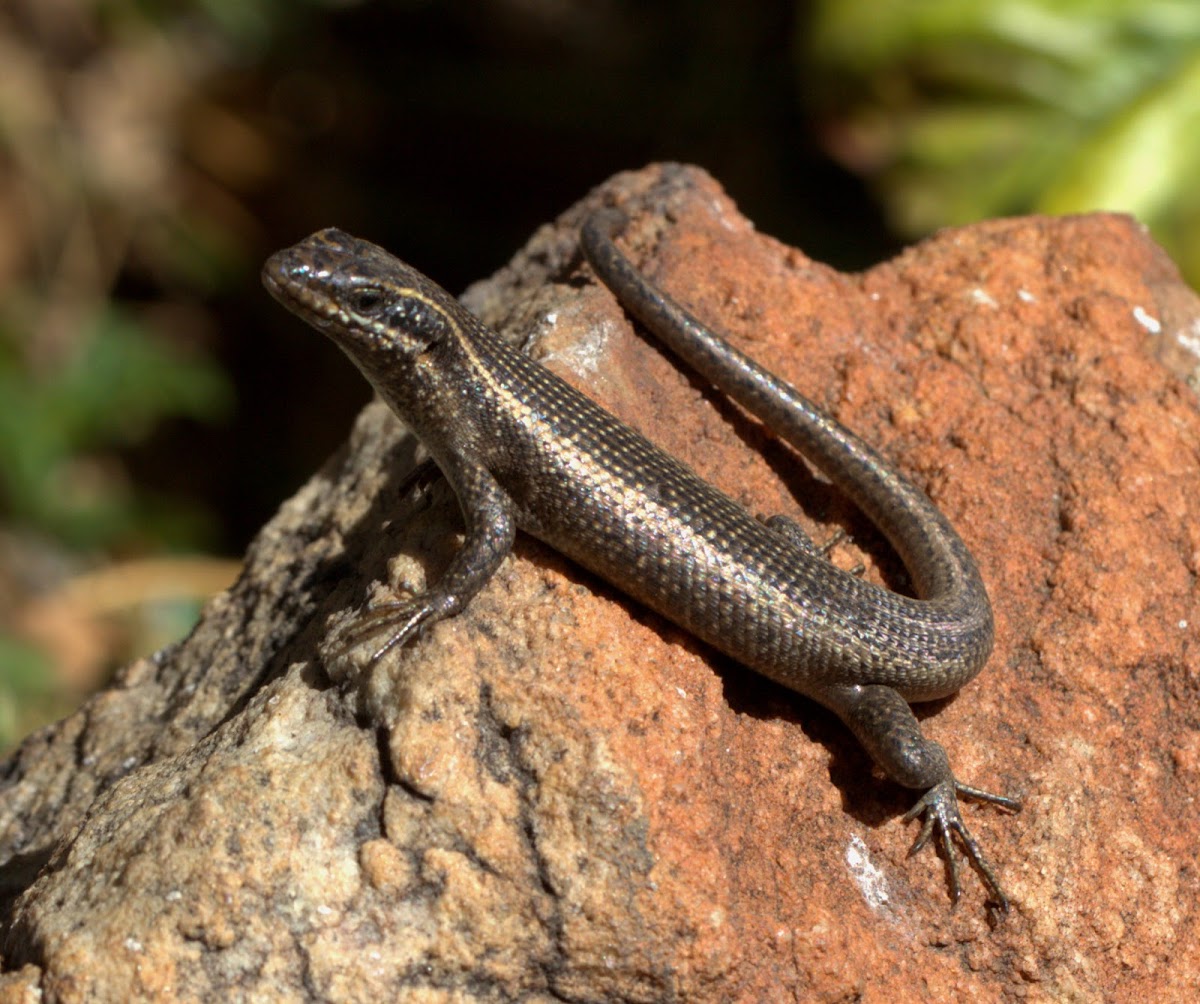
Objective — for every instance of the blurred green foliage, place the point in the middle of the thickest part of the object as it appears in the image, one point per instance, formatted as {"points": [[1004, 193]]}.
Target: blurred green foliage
{"points": [[962, 110], [28, 695], [112, 242], [118, 381]]}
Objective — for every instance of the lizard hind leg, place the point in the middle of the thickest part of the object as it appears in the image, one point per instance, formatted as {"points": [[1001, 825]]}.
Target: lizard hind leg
{"points": [[794, 534], [939, 806], [887, 728], [798, 537]]}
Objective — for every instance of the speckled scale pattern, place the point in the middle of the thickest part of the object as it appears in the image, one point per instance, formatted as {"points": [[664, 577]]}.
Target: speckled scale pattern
{"points": [[520, 445]]}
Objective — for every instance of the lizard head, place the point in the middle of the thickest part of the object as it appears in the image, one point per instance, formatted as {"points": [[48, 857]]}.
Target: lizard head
{"points": [[405, 333]]}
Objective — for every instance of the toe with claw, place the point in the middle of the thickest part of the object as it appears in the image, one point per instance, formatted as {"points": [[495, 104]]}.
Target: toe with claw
{"points": [[939, 807]]}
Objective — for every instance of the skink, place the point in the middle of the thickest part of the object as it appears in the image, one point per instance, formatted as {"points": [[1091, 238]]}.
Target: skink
{"points": [[524, 450]]}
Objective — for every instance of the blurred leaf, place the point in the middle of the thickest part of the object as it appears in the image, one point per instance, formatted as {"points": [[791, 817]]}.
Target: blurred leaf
{"points": [[962, 110], [1140, 158], [111, 392], [27, 692]]}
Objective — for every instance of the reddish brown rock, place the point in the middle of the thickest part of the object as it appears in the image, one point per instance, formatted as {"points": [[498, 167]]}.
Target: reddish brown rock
{"points": [[557, 795]]}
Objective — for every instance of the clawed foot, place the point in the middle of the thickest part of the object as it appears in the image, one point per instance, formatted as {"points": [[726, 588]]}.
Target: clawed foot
{"points": [[939, 805], [417, 482], [794, 533], [388, 625]]}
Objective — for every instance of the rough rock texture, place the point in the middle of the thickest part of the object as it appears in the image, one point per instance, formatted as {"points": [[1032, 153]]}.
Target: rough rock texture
{"points": [[558, 796]]}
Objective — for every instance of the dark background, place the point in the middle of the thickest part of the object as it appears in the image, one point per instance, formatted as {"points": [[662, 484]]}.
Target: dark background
{"points": [[469, 127]]}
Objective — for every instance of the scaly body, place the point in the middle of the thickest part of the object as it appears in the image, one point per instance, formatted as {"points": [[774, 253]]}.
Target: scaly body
{"points": [[523, 449]]}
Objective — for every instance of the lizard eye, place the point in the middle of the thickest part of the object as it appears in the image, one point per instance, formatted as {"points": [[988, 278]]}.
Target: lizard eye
{"points": [[366, 299]]}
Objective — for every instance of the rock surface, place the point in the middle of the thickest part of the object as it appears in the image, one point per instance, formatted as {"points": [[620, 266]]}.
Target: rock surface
{"points": [[558, 796]]}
